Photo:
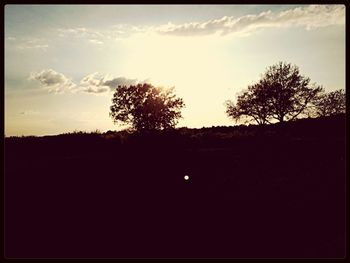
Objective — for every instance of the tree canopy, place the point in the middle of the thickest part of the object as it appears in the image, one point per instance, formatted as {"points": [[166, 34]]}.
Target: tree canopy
{"points": [[146, 107], [281, 94], [331, 103], [251, 103]]}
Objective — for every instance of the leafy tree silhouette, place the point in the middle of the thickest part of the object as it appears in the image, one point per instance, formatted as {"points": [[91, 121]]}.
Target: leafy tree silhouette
{"points": [[251, 103], [145, 107], [281, 94], [331, 103]]}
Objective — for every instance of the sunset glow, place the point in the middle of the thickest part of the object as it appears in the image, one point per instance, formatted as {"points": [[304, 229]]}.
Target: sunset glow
{"points": [[62, 63]]}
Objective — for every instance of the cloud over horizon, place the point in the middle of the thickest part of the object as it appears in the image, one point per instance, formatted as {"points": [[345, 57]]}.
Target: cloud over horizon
{"points": [[94, 83], [53, 81], [313, 16]]}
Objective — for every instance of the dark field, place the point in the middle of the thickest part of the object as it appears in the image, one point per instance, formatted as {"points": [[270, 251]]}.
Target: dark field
{"points": [[270, 191]]}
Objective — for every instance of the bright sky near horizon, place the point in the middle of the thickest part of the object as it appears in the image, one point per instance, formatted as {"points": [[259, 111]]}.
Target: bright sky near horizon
{"points": [[63, 62]]}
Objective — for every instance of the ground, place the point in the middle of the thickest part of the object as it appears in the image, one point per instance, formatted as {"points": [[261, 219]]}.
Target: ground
{"points": [[268, 191]]}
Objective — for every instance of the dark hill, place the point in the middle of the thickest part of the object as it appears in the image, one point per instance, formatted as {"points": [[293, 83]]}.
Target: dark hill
{"points": [[254, 191]]}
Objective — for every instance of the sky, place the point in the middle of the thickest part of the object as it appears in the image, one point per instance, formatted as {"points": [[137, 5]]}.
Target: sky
{"points": [[63, 62]]}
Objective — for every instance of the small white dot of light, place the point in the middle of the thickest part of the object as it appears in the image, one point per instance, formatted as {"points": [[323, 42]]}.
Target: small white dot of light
{"points": [[186, 177]]}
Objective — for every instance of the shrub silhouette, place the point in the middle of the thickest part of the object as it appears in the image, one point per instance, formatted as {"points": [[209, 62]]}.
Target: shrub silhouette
{"points": [[145, 107]]}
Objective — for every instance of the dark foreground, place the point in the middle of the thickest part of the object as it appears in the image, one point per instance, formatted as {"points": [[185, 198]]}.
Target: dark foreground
{"points": [[253, 192]]}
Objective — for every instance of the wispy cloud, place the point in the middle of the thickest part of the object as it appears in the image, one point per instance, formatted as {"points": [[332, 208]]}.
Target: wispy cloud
{"points": [[92, 36], [309, 17], [30, 44], [95, 41], [100, 36]]}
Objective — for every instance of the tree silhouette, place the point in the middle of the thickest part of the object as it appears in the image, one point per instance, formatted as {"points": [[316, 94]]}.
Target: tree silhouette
{"points": [[289, 93], [146, 107], [251, 103], [281, 94], [331, 103]]}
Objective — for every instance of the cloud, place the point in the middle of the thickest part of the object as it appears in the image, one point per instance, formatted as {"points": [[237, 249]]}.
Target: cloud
{"points": [[42, 47], [101, 36], [53, 81], [95, 41], [92, 36], [32, 43], [121, 81], [98, 83], [78, 31], [93, 83], [29, 112], [24, 43], [86, 34], [313, 16]]}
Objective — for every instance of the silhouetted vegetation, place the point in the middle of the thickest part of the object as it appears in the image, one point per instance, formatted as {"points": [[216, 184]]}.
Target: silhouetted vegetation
{"points": [[266, 190], [253, 191], [331, 103], [281, 94], [145, 107], [252, 103]]}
